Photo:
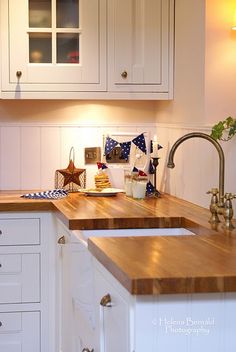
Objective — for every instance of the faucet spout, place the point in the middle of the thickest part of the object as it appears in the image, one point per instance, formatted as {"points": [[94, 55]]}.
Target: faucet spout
{"points": [[220, 153]]}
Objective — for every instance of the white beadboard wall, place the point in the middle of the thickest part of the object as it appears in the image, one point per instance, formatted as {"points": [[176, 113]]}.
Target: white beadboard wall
{"points": [[30, 154], [196, 165]]}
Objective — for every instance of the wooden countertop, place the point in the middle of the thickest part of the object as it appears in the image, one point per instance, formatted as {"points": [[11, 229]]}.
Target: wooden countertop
{"points": [[148, 265]]}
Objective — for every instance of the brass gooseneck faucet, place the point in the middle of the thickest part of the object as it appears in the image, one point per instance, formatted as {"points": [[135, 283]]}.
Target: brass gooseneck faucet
{"points": [[223, 205]]}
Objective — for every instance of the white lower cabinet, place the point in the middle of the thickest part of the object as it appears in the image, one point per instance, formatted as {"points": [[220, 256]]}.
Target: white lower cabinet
{"points": [[162, 323], [76, 294], [20, 332], [112, 316], [27, 295]]}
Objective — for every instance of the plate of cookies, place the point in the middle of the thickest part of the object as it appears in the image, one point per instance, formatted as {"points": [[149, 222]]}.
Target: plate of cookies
{"points": [[104, 192]]}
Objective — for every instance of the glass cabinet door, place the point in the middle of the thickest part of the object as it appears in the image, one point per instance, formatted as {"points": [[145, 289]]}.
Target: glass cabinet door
{"points": [[54, 31]]}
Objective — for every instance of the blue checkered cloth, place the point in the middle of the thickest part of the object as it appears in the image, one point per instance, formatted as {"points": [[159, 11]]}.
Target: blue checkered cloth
{"points": [[52, 194]]}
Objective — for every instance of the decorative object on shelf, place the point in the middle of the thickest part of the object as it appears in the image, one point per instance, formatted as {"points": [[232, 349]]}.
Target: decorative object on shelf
{"points": [[52, 194], [224, 130], [71, 178]]}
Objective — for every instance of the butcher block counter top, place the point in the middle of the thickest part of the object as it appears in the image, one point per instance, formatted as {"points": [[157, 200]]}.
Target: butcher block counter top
{"points": [[205, 262]]}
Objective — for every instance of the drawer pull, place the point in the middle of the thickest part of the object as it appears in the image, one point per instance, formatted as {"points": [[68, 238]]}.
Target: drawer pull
{"points": [[0, 323], [124, 74], [0, 232], [18, 74], [62, 240], [87, 350], [106, 301], [0, 265]]}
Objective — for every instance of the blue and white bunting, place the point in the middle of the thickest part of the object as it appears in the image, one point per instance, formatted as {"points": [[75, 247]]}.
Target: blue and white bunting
{"points": [[139, 141], [125, 149], [150, 188], [52, 194], [110, 145]]}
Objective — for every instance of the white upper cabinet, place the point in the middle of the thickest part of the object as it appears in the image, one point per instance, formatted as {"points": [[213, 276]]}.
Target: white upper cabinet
{"points": [[140, 46], [53, 45], [87, 49]]}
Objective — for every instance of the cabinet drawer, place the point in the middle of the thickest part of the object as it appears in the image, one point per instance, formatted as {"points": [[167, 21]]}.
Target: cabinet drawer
{"points": [[19, 278], [20, 332], [16, 232]]}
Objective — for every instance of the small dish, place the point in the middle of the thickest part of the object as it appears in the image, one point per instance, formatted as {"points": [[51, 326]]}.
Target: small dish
{"points": [[106, 192]]}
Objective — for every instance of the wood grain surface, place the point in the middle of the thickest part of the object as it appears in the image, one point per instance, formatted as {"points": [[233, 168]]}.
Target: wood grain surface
{"points": [[148, 265]]}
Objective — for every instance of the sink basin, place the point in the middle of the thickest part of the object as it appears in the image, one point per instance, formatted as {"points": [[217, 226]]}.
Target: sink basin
{"points": [[180, 231]]}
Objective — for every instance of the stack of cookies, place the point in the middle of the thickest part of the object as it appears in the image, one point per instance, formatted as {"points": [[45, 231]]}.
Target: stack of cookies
{"points": [[102, 181]]}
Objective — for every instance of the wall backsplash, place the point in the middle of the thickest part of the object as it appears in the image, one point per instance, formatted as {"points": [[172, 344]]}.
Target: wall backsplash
{"points": [[30, 154]]}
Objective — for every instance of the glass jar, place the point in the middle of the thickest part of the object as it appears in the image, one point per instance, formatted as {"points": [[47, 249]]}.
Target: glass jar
{"points": [[139, 185], [128, 185]]}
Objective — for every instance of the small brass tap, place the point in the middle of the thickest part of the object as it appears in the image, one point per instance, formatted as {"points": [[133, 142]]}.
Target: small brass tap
{"points": [[228, 210]]}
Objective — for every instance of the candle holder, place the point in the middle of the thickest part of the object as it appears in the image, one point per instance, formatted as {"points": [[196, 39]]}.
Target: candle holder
{"points": [[155, 162]]}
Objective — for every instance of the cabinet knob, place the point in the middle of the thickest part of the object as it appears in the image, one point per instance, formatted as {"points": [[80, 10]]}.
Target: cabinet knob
{"points": [[61, 240], [124, 74], [87, 350], [106, 301], [18, 74]]}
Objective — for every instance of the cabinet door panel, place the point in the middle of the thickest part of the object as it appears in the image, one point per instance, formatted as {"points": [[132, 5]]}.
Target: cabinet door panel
{"points": [[16, 232], [19, 278], [20, 332], [114, 321], [138, 44], [56, 58]]}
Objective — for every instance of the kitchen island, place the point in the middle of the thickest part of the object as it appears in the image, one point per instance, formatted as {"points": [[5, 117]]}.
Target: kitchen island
{"points": [[158, 285]]}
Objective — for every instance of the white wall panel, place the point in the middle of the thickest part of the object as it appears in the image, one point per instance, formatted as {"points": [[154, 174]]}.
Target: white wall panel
{"points": [[10, 162], [30, 158], [50, 155]]}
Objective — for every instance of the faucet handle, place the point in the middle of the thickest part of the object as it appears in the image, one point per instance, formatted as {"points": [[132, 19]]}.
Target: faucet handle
{"points": [[229, 196], [213, 191]]}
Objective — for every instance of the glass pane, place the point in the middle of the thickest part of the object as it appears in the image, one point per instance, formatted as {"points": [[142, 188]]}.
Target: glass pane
{"points": [[40, 13], [67, 13], [68, 48], [40, 48]]}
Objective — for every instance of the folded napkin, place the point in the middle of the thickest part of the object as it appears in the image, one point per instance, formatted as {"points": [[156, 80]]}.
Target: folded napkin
{"points": [[52, 194]]}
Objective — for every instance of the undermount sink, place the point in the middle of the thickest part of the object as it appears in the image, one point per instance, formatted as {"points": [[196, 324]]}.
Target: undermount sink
{"points": [[180, 231]]}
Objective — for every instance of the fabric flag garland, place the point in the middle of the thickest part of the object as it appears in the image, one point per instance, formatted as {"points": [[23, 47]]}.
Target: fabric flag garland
{"points": [[159, 147], [135, 169], [110, 145], [141, 173], [150, 188], [139, 141], [101, 166], [125, 149]]}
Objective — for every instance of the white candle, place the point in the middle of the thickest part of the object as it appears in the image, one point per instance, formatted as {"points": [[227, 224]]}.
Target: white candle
{"points": [[155, 147]]}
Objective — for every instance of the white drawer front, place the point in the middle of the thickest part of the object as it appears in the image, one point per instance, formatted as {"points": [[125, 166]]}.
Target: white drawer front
{"points": [[20, 332], [16, 232], [19, 278]]}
